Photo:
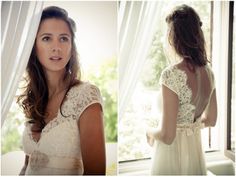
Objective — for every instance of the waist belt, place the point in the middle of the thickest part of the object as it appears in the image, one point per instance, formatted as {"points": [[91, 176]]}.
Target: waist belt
{"points": [[191, 128], [41, 160]]}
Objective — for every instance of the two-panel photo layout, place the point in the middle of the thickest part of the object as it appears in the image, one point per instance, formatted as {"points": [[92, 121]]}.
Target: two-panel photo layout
{"points": [[118, 88]]}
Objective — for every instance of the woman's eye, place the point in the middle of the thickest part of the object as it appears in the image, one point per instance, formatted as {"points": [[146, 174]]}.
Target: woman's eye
{"points": [[64, 39], [46, 38]]}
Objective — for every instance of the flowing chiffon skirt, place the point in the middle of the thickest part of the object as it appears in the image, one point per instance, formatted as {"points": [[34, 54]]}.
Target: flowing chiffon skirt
{"points": [[184, 156]]}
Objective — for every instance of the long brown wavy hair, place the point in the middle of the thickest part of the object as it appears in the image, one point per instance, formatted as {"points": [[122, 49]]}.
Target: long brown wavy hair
{"points": [[186, 36], [35, 97]]}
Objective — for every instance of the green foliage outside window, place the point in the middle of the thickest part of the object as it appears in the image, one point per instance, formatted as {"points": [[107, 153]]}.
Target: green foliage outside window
{"points": [[106, 80], [11, 130]]}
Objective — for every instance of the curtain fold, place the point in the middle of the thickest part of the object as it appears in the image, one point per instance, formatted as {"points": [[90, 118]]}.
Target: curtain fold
{"points": [[19, 26], [137, 25]]}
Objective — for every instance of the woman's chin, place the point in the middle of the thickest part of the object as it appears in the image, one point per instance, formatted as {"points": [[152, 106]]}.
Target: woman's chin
{"points": [[55, 69]]}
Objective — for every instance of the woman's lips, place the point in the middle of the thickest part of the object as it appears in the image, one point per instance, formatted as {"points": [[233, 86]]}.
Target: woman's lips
{"points": [[55, 58]]}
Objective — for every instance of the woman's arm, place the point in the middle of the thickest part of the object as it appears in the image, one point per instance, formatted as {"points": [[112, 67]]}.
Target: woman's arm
{"points": [[92, 140], [209, 116], [166, 130], [22, 172]]}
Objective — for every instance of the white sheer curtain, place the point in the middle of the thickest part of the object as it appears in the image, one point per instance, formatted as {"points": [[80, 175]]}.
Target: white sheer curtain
{"points": [[220, 64], [137, 24], [19, 26]]}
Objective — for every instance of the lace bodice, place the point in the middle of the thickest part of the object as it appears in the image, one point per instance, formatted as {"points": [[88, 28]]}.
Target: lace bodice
{"points": [[60, 137], [176, 80]]}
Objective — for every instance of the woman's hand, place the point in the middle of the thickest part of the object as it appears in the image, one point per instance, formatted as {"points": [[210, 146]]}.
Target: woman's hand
{"points": [[150, 138]]}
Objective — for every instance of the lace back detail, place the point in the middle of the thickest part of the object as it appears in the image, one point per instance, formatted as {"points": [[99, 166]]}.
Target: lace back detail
{"points": [[176, 80]]}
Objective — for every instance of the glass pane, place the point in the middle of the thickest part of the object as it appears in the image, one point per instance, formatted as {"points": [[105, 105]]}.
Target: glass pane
{"points": [[143, 109]]}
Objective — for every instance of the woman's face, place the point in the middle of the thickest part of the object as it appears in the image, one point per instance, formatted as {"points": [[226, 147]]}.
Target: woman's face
{"points": [[53, 44]]}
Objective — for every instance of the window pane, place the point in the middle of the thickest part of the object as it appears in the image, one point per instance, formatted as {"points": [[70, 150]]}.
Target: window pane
{"points": [[144, 107]]}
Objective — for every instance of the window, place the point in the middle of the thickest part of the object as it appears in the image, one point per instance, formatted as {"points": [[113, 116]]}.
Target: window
{"points": [[142, 110]]}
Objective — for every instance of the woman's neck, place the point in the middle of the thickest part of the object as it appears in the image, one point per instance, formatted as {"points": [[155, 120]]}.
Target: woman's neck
{"points": [[55, 82]]}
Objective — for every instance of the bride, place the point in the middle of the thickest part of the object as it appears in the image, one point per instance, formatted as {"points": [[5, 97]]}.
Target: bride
{"points": [[64, 132], [188, 97]]}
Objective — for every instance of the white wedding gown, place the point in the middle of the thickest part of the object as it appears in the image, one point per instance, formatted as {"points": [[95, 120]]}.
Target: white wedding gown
{"points": [[58, 151], [185, 155]]}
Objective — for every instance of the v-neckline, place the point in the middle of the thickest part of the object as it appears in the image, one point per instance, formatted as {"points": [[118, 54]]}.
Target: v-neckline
{"points": [[47, 126], [44, 129]]}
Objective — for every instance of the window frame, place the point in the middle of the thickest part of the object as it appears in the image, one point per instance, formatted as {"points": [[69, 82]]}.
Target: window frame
{"points": [[228, 152]]}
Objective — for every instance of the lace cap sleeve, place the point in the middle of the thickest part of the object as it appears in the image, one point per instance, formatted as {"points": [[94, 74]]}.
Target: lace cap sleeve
{"points": [[90, 94], [170, 79]]}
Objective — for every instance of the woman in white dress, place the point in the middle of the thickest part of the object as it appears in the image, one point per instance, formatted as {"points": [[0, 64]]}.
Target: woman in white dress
{"points": [[64, 133], [188, 97]]}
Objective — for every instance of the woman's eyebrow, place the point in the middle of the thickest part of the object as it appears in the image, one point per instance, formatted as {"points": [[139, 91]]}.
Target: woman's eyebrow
{"points": [[46, 34], [65, 34], [50, 34]]}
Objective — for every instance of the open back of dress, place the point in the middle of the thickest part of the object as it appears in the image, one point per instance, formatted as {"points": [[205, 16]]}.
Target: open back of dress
{"points": [[201, 86]]}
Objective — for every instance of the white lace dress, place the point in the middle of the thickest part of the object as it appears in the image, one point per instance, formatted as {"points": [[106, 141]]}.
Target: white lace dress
{"points": [[58, 150], [185, 155]]}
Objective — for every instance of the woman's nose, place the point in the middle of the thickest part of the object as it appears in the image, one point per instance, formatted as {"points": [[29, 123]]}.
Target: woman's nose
{"points": [[56, 47]]}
